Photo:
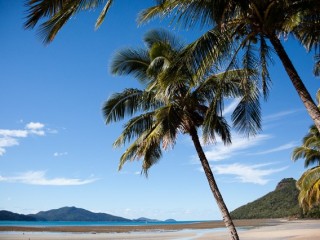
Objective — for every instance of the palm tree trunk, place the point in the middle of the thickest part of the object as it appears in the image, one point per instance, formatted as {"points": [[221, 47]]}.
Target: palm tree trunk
{"points": [[213, 185], [296, 81]]}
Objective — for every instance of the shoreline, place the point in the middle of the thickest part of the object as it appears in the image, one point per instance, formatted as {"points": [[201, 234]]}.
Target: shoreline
{"points": [[275, 229], [251, 223]]}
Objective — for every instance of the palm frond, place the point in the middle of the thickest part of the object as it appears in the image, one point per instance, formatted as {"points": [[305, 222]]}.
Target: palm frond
{"points": [[57, 13], [134, 128], [309, 186], [38, 9], [208, 51], [142, 148], [310, 148], [128, 103], [247, 115], [170, 120], [130, 61], [49, 29], [157, 66], [161, 9], [215, 125], [161, 36], [103, 14], [151, 156], [265, 58]]}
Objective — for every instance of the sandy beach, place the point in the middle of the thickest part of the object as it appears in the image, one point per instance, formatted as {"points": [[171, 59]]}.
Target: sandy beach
{"points": [[248, 230]]}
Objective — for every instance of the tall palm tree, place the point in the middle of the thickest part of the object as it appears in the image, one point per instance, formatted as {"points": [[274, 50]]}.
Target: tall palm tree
{"points": [[251, 24], [58, 12], [170, 105]]}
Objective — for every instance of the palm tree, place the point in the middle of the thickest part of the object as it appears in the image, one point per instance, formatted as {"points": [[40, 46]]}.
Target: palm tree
{"points": [[251, 24], [310, 148], [309, 182], [309, 186], [170, 105], [59, 12]]}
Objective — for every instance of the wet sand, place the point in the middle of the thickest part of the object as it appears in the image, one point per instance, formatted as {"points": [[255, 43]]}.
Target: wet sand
{"points": [[248, 230]]}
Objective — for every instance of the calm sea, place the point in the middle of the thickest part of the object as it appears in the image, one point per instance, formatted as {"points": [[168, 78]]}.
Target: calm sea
{"points": [[83, 223]]}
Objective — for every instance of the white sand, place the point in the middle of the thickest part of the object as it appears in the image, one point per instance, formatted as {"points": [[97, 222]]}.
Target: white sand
{"points": [[293, 230]]}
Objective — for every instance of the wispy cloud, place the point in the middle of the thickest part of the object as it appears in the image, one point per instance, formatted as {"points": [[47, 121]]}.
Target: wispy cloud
{"points": [[279, 115], [239, 145], [39, 178], [9, 138], [276, 149], [256, 174], [231, 106]]}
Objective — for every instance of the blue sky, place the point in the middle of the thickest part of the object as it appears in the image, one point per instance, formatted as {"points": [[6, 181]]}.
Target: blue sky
{"points": [[55, 150]]}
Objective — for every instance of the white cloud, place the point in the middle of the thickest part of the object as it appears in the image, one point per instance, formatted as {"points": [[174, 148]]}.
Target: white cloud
{"points": [[39, 178], [6, 142], [60, 154], [239, 144], [9, 138], [277, 149], [34, 126], [13, 133], [248, 173]]}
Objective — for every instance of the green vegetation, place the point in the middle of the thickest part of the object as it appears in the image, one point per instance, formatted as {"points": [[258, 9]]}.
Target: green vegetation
{"points": [[280, 203]]}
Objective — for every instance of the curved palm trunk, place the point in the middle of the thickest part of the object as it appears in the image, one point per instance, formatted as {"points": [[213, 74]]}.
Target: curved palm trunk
{"points": [[213, 185], [297, 82]]}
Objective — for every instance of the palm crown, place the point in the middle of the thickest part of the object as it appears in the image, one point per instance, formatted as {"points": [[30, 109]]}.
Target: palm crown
{"points": [[174, 104], [254, 28]]}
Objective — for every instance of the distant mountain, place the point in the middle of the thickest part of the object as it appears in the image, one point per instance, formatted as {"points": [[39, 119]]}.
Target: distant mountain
{"points": [[70, 214], [170, 220], [10, 216], [280, 203], [143, 219], [75, 214]]}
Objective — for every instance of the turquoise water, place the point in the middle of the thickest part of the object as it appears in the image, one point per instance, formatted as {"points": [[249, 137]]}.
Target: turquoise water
{"points": [[83, 223]]}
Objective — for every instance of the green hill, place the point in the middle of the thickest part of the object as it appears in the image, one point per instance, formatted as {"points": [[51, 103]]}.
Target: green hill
{"points": [[280, 203]]}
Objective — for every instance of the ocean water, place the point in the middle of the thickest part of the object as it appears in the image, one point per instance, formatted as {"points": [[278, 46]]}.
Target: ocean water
{"points": [[84, 223]]}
